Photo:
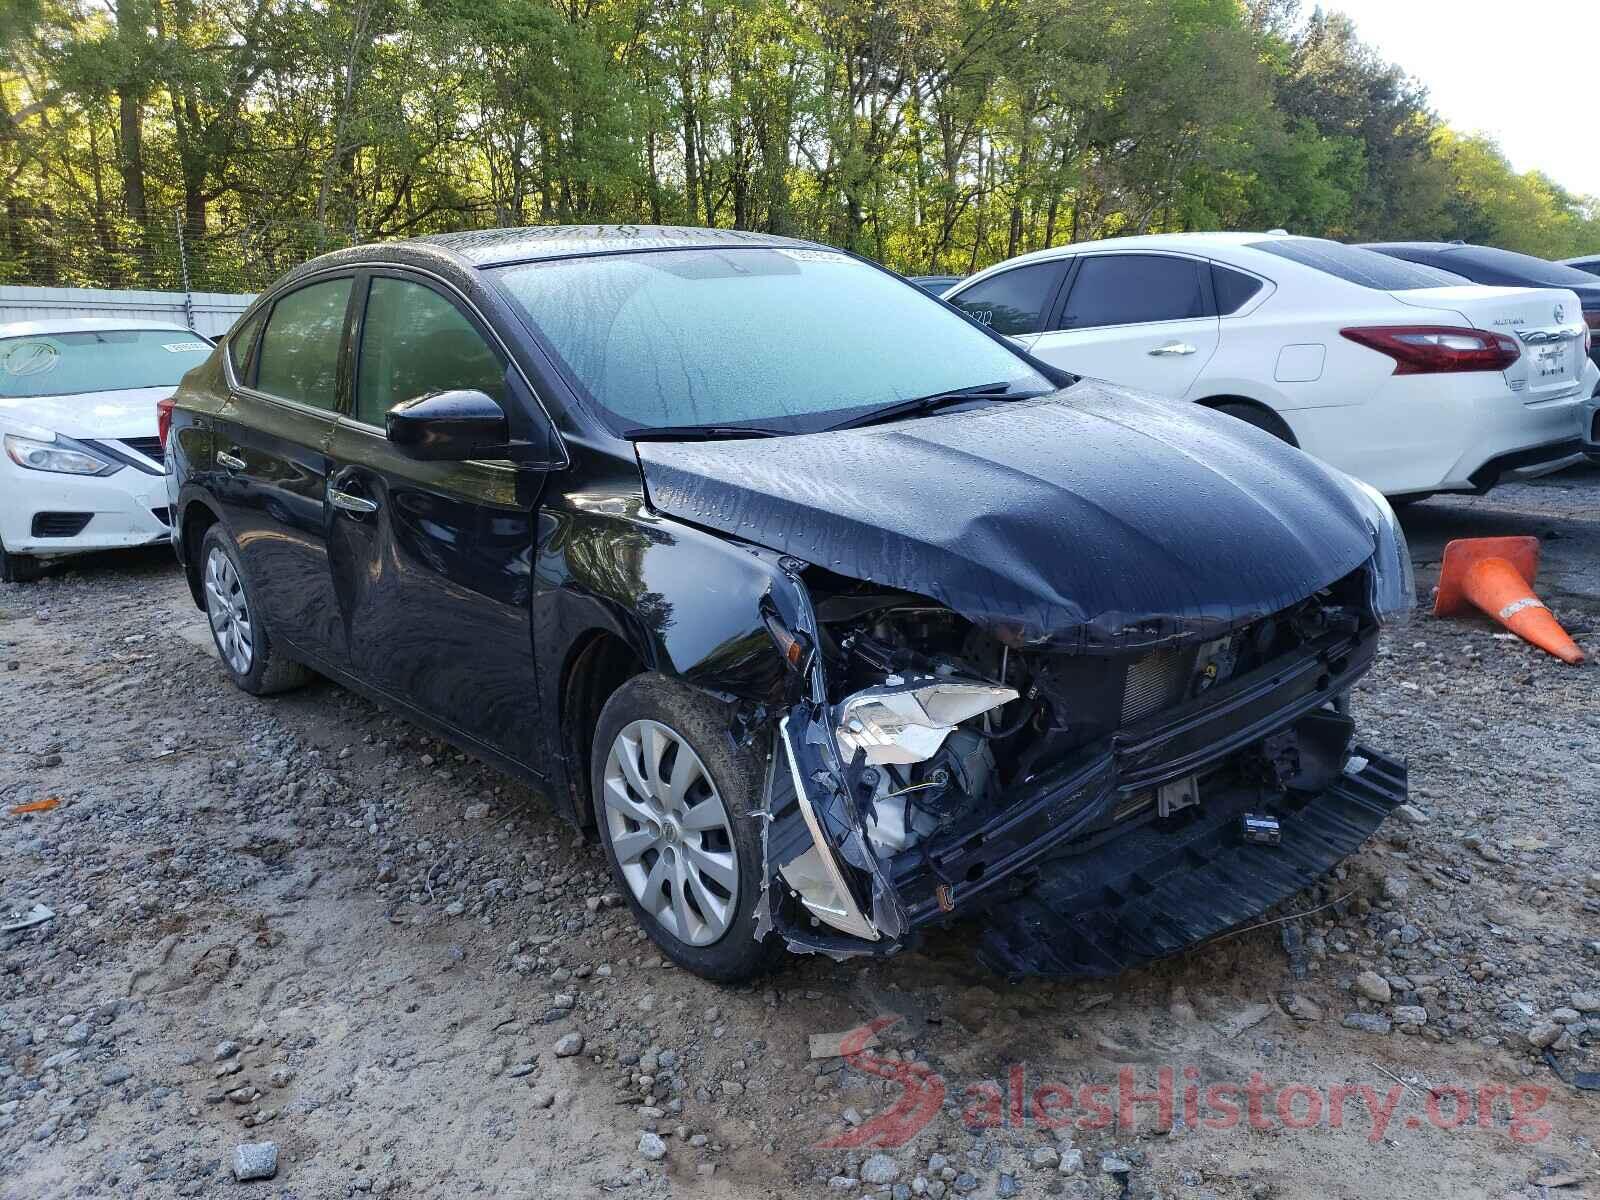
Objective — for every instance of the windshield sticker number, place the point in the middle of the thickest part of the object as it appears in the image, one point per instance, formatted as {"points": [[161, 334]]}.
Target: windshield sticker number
{"points": [[184, 347], [825, 256], [30, 358]]}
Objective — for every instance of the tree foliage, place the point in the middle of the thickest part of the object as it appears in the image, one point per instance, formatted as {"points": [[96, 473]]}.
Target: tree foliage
{"points": [[935, 135]]}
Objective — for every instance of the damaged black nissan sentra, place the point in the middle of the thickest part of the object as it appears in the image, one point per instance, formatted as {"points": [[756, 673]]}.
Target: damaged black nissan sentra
{"points": [[835, 615]]}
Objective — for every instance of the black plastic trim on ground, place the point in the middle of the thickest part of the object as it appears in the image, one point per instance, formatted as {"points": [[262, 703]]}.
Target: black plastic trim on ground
{"points": [[1158, 892]]}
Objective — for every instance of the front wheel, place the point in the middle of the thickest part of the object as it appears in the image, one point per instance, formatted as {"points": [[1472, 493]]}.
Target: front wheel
{"points": [[253, 663], [19, 568], [673, 797]]}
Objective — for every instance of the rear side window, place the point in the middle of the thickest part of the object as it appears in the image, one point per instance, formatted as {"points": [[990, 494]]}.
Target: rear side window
{"points": [[240, 339], [100, 360], [1012, 302], [1365, 268], [414, 341], [1234, 289], [1132, 289], [299, 355]]}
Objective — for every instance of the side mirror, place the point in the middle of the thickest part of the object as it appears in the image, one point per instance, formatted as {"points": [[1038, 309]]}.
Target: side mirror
{"points": [[449, 427]]}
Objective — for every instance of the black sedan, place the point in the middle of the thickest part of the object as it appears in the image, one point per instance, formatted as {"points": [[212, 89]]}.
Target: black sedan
{"points": [[1505, 268], [829, 612]]}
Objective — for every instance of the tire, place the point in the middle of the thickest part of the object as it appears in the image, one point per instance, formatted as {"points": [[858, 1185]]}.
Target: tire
{"points": [[654, 837], [1262, 418], [19, 568], [248, 656]]}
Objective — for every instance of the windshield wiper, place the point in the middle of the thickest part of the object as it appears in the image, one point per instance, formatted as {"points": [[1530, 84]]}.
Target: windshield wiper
{"points": [[927, 404], [689, 433]]}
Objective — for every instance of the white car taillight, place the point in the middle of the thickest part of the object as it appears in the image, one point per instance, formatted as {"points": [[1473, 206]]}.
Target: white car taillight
{"points": [[1437, 349]]}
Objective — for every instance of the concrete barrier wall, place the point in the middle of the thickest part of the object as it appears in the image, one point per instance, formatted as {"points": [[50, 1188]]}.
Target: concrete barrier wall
{"points": [[213, 312]]}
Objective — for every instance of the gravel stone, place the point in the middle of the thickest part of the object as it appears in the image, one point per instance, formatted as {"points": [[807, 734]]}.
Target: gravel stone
{"points": [[255, 1160]]}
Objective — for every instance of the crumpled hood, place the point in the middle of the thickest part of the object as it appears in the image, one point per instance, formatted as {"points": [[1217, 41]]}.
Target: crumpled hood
{"points": [[1094, 519], [126, 413]]}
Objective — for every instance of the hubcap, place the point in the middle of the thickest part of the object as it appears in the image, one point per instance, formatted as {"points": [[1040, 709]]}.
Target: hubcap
{"points": [[229, 613], [670, 832]]}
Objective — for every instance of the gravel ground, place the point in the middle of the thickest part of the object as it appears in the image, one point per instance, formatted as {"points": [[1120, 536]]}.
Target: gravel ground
{"points": [[299, 938]]}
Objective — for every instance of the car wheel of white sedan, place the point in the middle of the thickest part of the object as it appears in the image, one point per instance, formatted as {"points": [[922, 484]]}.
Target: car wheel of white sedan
{"points": [[18, 568]]}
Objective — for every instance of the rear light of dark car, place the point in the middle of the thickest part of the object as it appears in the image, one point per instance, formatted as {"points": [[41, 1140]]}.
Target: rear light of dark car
{"points": [[164, 419], [1438, 349]]}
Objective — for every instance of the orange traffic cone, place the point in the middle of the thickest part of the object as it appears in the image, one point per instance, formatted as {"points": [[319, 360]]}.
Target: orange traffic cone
{"points": [[1496, 575]]}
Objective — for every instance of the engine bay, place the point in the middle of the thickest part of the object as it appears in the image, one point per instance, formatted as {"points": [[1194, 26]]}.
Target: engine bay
{"points": [[1038, 707]]}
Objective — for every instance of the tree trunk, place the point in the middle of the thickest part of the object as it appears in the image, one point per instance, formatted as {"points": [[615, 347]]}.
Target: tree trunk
{"points": [[130, 114]]}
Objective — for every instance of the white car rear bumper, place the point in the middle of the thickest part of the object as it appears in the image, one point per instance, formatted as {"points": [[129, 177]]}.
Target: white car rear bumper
{"points": [[39, 509], [1441, 434]]}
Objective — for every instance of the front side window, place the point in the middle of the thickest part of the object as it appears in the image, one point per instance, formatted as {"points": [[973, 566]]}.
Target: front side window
{"points": [[413, 342], [101, 360], [790, 339], [299, 354], [1012, 302], [1132, 289]]}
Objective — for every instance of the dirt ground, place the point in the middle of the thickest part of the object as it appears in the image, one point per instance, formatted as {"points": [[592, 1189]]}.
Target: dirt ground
{"points": [[301, 921]]}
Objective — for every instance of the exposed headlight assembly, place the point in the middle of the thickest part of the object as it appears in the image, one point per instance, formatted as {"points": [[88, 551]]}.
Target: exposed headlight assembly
{"points": [[1393, 583], [905, 720], [57, 455]]}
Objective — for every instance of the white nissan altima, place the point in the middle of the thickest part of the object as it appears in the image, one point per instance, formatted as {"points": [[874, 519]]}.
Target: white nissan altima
{"points": [[1402, 375], [82, 467]]}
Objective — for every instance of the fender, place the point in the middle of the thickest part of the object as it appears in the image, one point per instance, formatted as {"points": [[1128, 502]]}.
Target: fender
{"points": [[687, 603]]}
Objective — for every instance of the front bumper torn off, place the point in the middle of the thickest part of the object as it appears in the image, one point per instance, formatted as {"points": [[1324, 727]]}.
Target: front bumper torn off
{"points": [[1051, 887]]}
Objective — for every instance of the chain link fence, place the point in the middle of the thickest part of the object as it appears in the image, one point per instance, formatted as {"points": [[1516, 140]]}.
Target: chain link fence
{"points": [[163, 256]]}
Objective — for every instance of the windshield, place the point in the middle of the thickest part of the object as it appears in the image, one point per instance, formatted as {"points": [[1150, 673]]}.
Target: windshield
{"points": [[791, 340], [100, 360]]}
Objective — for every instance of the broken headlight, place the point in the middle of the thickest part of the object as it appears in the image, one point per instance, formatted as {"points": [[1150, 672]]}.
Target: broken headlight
{"points": [[906, 720], [1393, 586]]}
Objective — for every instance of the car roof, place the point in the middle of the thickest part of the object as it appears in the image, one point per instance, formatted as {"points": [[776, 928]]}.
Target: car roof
{"points": [[10, 329], [1195, 243], [1432, 246], [492, 247]]}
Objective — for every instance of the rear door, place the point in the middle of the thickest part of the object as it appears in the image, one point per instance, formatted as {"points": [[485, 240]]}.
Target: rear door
{"points": [[1144, 320], [1548, 324], [432, 561], [270, 472]]}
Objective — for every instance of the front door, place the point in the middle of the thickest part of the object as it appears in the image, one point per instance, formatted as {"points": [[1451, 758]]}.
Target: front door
{"points": [[1145, 321], [432, 561], [270, 471]]}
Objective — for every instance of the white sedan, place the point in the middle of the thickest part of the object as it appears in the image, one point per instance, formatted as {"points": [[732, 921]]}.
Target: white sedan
{"points": [[1404, 376], [82, 466]]}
